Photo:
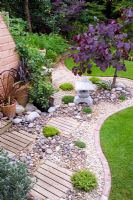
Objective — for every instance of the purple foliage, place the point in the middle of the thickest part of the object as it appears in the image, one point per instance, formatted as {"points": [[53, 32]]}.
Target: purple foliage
{"points": [[105, 44]]}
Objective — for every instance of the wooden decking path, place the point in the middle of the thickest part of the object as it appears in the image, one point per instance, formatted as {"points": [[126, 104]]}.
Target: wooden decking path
{"points": [[53, 182], [66, 125], [4, 125], [15, 141]]}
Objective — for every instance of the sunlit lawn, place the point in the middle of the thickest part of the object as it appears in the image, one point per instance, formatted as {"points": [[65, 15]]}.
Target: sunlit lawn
{"points": [[97, 72], [117, 144]]}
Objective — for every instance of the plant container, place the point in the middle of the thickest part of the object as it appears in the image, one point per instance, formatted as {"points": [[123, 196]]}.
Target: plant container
{"points": [[9, 110]]}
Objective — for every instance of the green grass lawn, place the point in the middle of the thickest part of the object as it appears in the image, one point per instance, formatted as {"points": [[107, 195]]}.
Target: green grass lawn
{"points": [[97, 72], [117, 144]]}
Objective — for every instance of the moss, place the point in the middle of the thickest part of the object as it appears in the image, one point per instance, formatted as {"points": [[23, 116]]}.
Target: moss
{"points": [[80, 144], [87, 110], [68, 99], [50, 131], [66, 87], [122, 97], [84, 180]]}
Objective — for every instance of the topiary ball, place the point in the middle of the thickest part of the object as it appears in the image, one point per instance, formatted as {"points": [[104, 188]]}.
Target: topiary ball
{"points": [[66, 87], [50, 131], [84, 180], [87, 110], [68, 99], [80, 144]]}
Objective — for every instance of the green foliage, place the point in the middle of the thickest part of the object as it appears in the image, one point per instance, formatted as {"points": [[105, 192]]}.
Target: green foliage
{"points": [[80, 144], [18, 27], [106, 85], [68, 99], [50, 131], [92, 9], [95, 80], [15, 180], [84, 180], [87, 110], [40, 93], [51, 55], [66, 86], [122, 97]]}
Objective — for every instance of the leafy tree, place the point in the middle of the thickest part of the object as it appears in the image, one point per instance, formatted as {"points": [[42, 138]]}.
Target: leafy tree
{"points": [[106, 44]]}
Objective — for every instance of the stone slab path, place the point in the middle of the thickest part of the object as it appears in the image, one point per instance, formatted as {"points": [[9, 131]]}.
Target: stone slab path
{"points": [[66, 125], [53, 182]]}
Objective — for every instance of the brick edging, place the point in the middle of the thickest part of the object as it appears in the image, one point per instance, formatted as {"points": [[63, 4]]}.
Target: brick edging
{"points": [[106, 168]]}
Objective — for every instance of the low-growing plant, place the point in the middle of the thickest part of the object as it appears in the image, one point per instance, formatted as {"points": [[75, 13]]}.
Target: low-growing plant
{"points": [[40, 93], [15, 180], [106, 85], [50, 131], [84, 180], [68, 99], [95, 80], [66, 86], [122, 97], [87, 110], [52, 55], [80, 144]]}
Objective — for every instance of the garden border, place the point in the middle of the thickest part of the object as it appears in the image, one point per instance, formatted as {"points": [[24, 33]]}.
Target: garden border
{"points": [[106, 168]]}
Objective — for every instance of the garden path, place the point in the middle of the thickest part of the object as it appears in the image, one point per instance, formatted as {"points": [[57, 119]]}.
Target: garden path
{"points": [[96, 160]]}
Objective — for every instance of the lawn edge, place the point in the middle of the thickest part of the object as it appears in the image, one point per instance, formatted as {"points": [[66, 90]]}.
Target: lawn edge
{"points": [[106, 168]]}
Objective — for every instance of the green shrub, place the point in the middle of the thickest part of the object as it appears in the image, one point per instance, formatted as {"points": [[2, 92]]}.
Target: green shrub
{"points": [[50, 54], [68, 99], [122, 97], [40, 93], [66, 86], [87, 110], [15, 180], [106, 85], [80, 144], [84, 180], [95, 80], [50, 131]]}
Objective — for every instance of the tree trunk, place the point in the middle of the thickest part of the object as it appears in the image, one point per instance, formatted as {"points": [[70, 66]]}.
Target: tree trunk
{"points": [[114, 79], [27, 14]]}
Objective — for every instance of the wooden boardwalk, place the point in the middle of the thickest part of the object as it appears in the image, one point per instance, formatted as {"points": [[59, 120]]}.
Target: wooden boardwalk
{"points": [[53, 182], [4, 125], [66, 125], [15, 141]]}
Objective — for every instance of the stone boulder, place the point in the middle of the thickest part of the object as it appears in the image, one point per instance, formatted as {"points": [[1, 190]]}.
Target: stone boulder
{"points": [[32, 116]]}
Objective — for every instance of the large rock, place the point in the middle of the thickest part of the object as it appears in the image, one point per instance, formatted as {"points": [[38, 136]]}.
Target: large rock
{"points": [[32, 116], [30, 107], [19, 109], [52, 109], [121, 85], [17, 120]]}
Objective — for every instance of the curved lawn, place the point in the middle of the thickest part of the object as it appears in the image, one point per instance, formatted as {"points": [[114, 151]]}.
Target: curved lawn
{"points": [[110, 72], [117, 144]]}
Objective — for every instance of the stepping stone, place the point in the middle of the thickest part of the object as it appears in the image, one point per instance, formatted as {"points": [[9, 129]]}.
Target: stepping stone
{"points": [[53, 182], [4, 125], [15, 141], [67, 125]]}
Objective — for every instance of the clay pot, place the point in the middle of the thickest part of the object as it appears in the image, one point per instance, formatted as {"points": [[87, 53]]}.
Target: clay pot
{"points": [[9, 110], [22, 95]]}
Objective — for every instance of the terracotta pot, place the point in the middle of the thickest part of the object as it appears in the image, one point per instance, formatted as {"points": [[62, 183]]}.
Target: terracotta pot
{"points": [[9, 110], [22, 95]]}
